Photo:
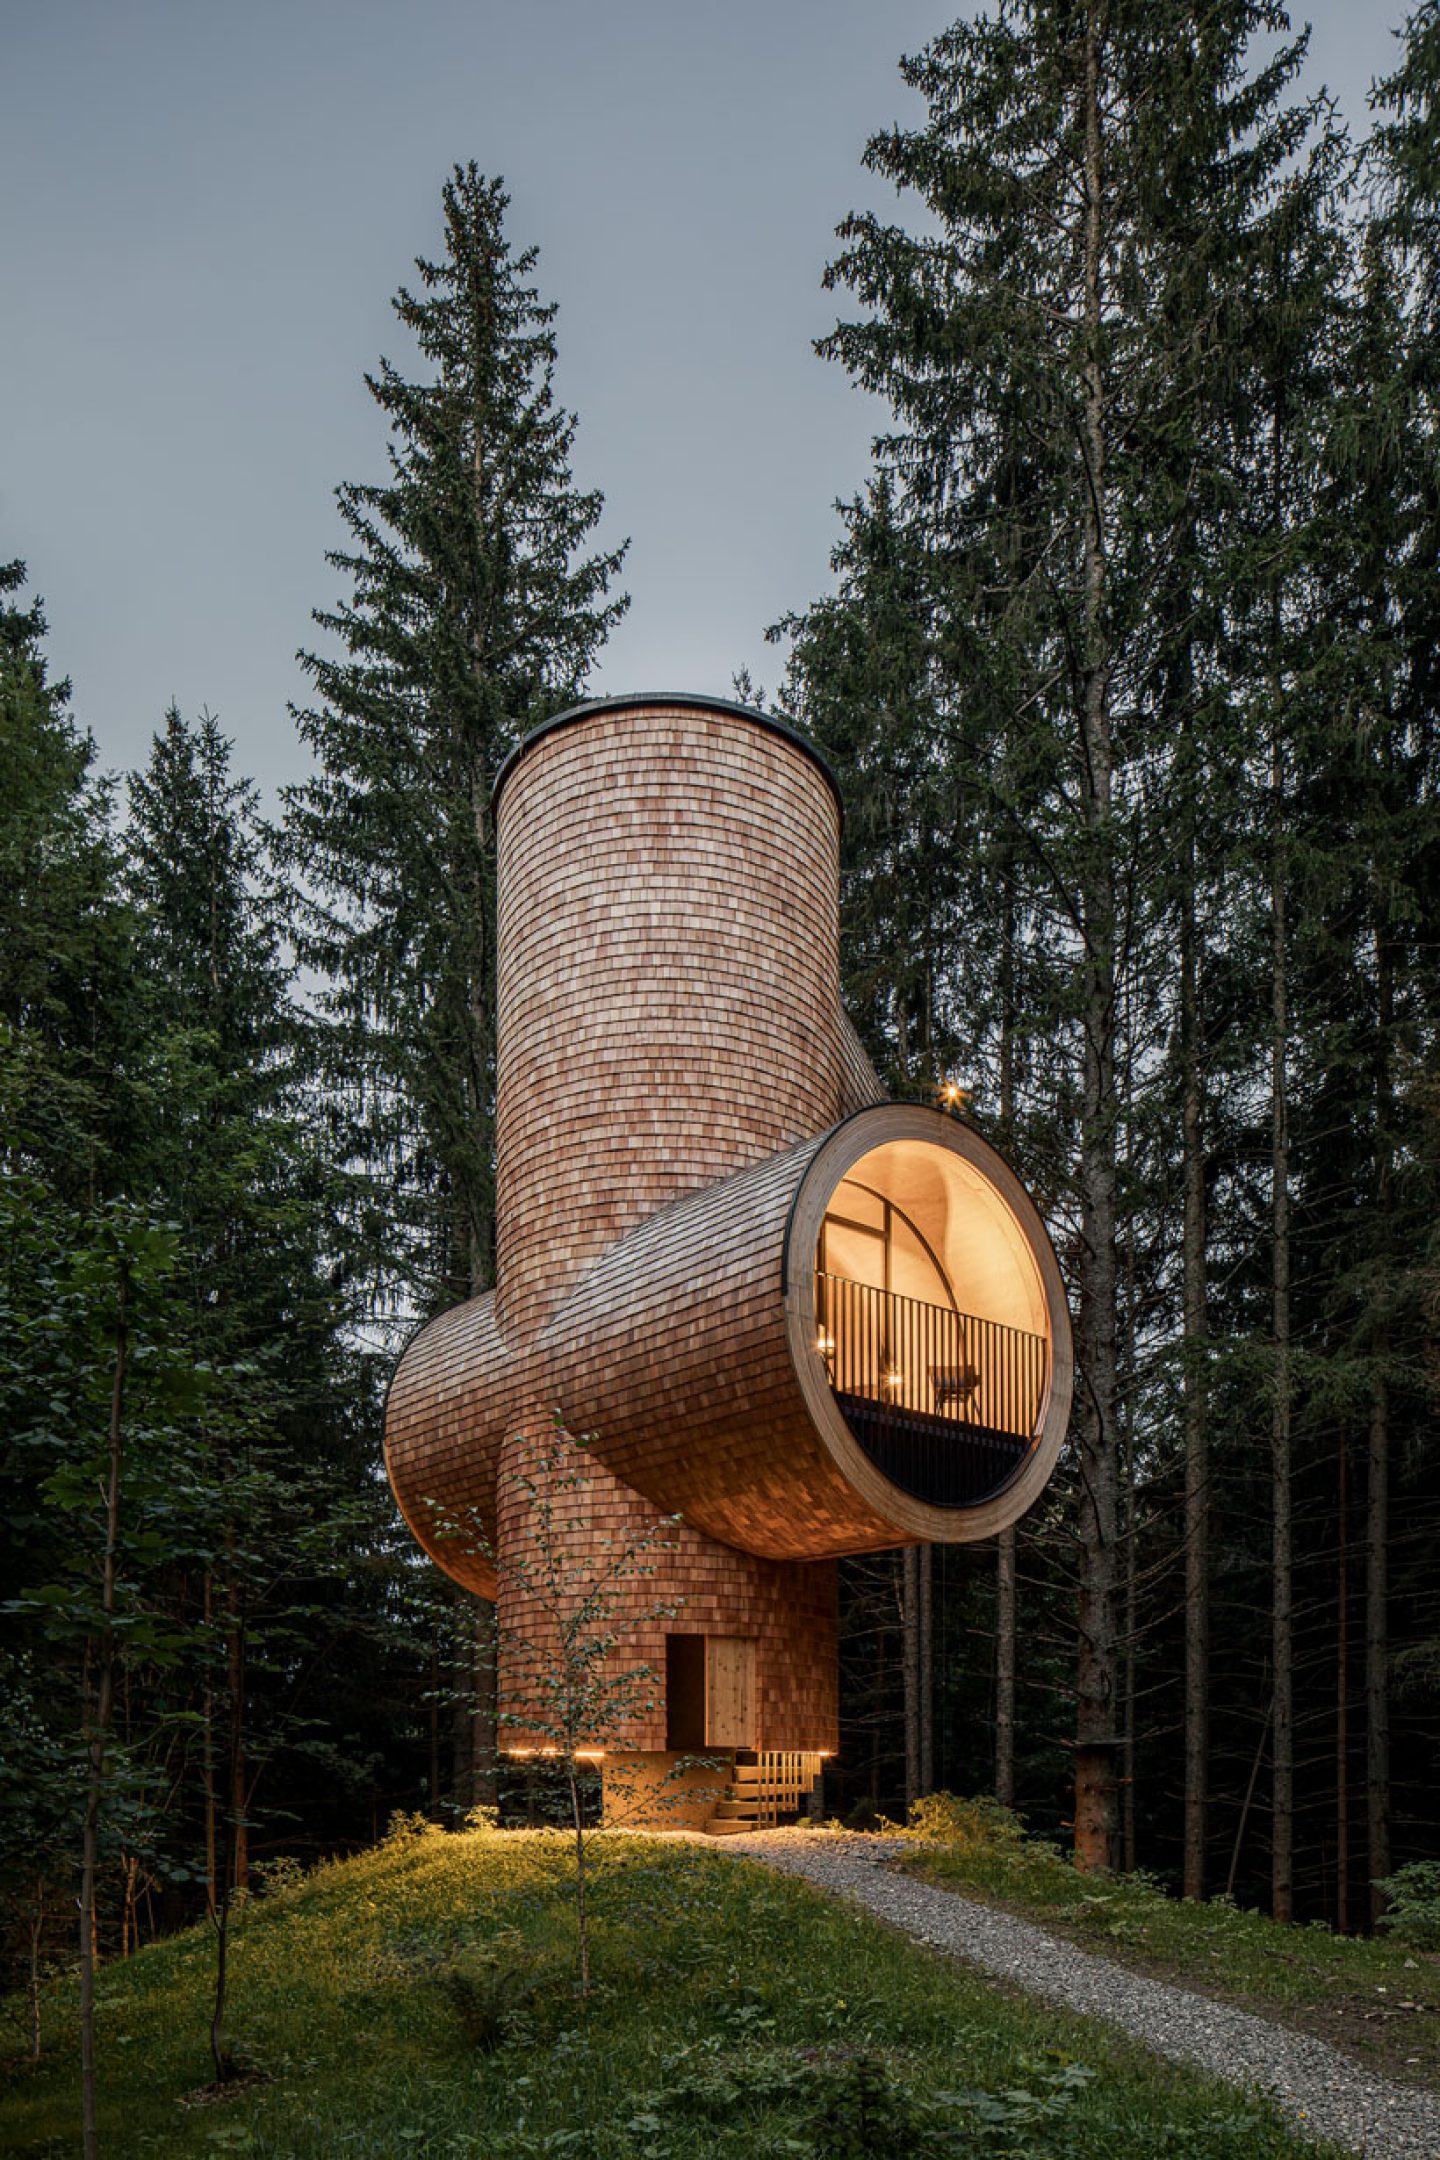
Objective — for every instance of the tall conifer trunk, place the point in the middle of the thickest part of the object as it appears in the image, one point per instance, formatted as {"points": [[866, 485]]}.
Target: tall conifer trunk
{"points": [[1126, 1439], [1129, 1848], [1005, 1555], [1377, 1646], [207, 1761], [1282, 1648], [1342, 1689], [237, 1780], [1377, 1495], [1005, 1668], [483, 1786], [1095, 1791], [910, 1658], [462, 1716], [433, 1723], [100, 1659], [1197, 1465], [927, 1668]]}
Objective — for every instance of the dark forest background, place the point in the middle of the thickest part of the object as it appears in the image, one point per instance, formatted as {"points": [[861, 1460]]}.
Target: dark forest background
{"points": [[1129, 676]]}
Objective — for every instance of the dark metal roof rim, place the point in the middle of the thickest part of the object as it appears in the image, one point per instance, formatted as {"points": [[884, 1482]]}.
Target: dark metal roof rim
{"points": [[679, 700]]}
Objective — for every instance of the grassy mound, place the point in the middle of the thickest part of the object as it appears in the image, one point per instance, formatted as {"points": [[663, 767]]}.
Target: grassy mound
{"points": [[421, 2001], [1378, 1999]]}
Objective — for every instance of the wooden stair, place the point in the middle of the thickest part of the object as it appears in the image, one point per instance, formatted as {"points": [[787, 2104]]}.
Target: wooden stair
{"points": [[731, 1817], [739, 1811], [764, 1791]]}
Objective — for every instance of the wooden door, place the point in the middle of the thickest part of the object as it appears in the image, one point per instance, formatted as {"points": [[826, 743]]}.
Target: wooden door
{"points": [[730, 1700]]}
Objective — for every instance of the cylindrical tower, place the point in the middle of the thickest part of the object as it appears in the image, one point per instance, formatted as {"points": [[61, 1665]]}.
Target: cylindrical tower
{"points": [[798, 1319], [669, 972]]}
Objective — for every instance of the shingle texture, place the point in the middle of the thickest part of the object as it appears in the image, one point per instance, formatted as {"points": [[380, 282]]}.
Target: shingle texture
{"points": [[671, 1057], [788, 1610], [669, 1021], [454, 1393], [668, 978], [674, 1347]]}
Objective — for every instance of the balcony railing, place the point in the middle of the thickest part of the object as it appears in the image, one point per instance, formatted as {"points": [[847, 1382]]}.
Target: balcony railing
{"points": [[944, 1404]]}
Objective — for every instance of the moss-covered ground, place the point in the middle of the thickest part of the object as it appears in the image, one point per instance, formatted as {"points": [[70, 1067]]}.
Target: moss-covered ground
{"points": [[1375, 1998], [421, 2000]]}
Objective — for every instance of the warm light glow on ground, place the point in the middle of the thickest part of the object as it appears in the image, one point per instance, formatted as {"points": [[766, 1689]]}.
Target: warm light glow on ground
{"points": [[552, 1754]]}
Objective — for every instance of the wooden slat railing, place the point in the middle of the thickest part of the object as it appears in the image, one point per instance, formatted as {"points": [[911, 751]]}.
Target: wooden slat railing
{"points": [[778, 1781], [929, 1360]]}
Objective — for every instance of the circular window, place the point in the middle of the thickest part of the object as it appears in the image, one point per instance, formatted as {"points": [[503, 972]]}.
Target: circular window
{"points": [[937, 1321]]}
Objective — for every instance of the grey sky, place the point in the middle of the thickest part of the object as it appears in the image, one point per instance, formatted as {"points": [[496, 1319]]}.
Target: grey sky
{"points": [[207, 207]]}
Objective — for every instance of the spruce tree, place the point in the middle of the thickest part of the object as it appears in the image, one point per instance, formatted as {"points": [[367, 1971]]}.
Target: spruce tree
{"points": [[233, 1159], [474, 613], [861, 678], [65, 1026], [1383, 802], [1060, 346]]}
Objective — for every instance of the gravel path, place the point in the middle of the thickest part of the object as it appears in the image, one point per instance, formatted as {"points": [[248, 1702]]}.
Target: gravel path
{"points": [[1321, 2091]]}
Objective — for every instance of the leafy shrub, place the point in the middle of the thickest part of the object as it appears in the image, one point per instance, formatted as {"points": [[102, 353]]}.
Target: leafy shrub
{"points": [[280, 1874], [866, 1816], [866, 2113], [844, 2103], [714, 2085], [978, 1825], [986, 1847], [403, 1826], [1413, 1893], [485, 1820]]}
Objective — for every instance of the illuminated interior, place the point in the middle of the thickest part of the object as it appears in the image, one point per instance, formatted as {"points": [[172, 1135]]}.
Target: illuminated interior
{"points": [[931, 1320]]}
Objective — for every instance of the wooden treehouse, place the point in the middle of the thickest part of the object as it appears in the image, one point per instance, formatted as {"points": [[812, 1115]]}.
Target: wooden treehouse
{"points": [[805, 1319]]}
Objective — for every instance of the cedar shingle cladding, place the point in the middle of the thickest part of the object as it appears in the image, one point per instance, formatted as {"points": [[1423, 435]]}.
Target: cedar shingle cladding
{"points": [[669, 985], [788, 1609], [674, 1347], [671, 1054]]}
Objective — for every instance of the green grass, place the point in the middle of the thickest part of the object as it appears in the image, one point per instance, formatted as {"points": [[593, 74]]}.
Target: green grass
{"points": [[420, 2000], [1376, 1998]]}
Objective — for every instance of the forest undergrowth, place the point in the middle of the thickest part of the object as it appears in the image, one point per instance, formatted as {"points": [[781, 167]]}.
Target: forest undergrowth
{"points": [[421, 1999], [1376, 1997]]}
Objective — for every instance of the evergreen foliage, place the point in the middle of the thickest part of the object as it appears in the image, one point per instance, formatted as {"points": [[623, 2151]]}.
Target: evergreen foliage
{"points": [[63, 933], [264, 1656], [1129, 671], [1127, 675], [474, 614]]}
